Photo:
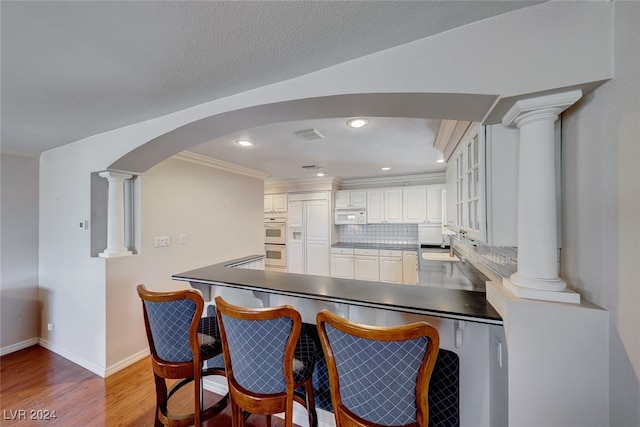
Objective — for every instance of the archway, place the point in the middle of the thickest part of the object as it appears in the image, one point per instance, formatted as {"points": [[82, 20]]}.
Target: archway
{"points": [[412, 105]]}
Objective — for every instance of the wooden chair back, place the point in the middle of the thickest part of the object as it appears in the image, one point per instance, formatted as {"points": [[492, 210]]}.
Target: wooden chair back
{"points": [[378, 375]]}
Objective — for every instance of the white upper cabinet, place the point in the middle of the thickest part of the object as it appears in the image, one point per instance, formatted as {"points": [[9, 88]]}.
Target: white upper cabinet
{"points": [[275, 203], [375, 206], [434, 204], [351, 199], [384, 206], [393, 205], [414, 204], [482, 176]]}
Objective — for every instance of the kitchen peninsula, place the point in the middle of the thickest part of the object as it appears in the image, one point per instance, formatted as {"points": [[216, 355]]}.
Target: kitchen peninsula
{"points": [[429, 301], [467, 323]]}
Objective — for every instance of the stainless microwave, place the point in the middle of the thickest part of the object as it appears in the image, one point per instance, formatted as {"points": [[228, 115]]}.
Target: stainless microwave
{"points": [[350, 216]]}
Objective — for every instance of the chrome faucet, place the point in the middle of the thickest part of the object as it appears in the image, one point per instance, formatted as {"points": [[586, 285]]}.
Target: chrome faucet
{"points": [[451, 245]]}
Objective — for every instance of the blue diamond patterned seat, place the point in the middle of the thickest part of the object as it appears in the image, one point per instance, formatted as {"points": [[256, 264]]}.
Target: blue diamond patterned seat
{"points": [[379, 376], [181, 341], [269, 362]]}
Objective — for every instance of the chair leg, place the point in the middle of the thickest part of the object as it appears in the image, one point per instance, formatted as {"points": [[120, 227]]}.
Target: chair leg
{"points": [[267, 420], [161, 397], [237, 416], [311, 403], [197, 400]]}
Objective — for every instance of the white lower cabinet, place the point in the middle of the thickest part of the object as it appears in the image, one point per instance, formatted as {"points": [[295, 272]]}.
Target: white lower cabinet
{"points": [[342, 263], [366, 264], [410, 267], [391, 266]]}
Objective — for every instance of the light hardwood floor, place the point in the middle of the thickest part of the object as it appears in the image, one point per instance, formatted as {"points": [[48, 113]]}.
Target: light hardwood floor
{"points": [[36, 379]]}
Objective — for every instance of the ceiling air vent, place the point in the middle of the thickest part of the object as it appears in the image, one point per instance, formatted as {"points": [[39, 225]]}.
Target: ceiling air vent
{"points": [[310, 134], [311, 167]]}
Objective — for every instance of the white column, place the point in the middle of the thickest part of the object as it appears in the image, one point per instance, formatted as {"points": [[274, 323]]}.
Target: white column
{"points": [[115, 215], [537, 275]]}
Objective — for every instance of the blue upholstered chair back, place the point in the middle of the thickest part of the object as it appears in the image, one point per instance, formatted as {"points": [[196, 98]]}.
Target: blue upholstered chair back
{"points": [[170, 322], [378, 378], [256, 349]]}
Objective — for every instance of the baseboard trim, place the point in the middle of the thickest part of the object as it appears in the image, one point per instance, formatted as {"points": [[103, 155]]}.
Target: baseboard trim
{"points": [[128, 361], [216, 384], [18, 346], [98, 370]]}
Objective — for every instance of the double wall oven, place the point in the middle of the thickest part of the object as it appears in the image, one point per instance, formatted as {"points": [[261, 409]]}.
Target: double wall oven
{"points": [[275, 239]]}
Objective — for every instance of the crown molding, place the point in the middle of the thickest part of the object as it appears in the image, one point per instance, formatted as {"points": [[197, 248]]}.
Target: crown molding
{"points": [[301, 185], [199, 159], [19, 153], [556, 101], [397, 181]]}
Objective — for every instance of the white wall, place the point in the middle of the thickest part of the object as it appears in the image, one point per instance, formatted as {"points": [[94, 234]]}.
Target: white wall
{"points": [[601, 209], [222, 215], [19, 311]]}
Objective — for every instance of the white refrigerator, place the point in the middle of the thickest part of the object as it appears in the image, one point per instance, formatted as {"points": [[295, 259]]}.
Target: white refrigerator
{"points": [[308, 236]]}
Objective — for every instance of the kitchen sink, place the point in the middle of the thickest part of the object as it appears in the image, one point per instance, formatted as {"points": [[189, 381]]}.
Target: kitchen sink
{"points": [[437, 269], [438, 256]]}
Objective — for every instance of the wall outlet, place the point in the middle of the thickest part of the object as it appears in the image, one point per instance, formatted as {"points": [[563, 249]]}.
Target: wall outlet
{"points": [[162, 241], [183, 239], [51, 326], [83, 224]]}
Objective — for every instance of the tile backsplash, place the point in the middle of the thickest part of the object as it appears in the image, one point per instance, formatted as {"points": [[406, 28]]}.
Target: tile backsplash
{"points": [[379, 233], [496, 262]]}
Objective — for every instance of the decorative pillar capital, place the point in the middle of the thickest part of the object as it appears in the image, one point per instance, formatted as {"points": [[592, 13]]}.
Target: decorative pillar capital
{"points": [[547, 107], [115, 176]]}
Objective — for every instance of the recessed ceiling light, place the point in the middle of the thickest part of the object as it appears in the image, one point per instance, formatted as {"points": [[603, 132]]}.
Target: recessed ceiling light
{"points": [[358, 122], [440, 161], [245, 143], [320, 174], [386, 168]]}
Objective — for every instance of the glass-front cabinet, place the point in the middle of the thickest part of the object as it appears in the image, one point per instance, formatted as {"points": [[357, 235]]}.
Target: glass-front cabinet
{"points": [[482, 174], [466, 175]]}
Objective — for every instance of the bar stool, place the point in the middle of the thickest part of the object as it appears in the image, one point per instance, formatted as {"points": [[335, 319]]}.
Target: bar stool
{"points": [[379, 376], [267, 359], [180, 341]]}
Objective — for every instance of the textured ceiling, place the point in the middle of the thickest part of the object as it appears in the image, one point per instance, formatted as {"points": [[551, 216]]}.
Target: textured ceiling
{"points": [[70, 70]]}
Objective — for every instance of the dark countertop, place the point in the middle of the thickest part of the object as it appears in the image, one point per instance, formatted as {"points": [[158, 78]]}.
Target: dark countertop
{"points": [[380, 246], [431, 301], [449, 274]]}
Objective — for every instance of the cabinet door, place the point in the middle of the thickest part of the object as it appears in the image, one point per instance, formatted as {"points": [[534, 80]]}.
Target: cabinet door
{"points": [[375, 206], [393, 205], [318, 220], [414, 205], [295, 214], [366, 268], [410, 267], [434, 204], [295, 257], [391, 269], [318, 258], [342, 199], [342, 266], [279, 202], [268, 203], [358, 199]]}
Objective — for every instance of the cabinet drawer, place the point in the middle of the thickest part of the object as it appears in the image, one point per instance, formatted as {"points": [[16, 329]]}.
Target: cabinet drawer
{"points": [[344, 251], [374, 252], [392, 252]]}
